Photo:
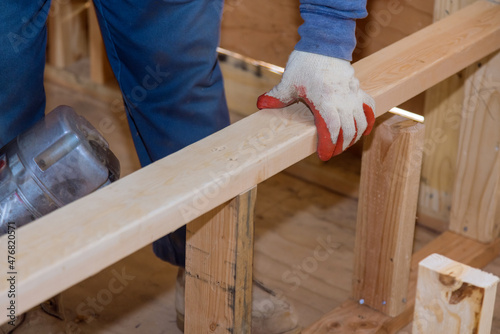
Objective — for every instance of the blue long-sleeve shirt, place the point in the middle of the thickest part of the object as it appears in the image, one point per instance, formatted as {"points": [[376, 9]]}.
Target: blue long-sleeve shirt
{"points": [[329, 26]]}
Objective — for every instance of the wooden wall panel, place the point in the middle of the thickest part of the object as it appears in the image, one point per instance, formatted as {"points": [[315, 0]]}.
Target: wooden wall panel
{"points": [[261, 29], [476, 194], [267, 30]]}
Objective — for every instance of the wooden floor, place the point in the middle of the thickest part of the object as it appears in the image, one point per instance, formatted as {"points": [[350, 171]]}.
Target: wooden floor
{"points": [[295, 213]]}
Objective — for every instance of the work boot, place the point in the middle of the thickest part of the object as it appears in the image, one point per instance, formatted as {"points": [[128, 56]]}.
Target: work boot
{"points": [[270, 314], [46, 318]]}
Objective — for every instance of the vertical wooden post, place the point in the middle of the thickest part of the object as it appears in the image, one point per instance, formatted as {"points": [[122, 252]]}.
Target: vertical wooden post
{"points": [[100, 70], [67, 32], [390, 174], [475, 210], [453, 298], [219, 258]]}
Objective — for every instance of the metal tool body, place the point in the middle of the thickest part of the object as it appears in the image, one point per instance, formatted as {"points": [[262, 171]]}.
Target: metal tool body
{"points": [[60, 159]]}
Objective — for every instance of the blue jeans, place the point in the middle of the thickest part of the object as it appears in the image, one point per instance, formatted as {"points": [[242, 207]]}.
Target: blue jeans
{"points": [[163, 54]]}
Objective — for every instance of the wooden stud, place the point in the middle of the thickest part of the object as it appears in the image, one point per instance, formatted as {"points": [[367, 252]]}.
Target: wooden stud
{"points": [[219, 258], [453, 298], [476, 195], [442, 119], [106, 226], [261, 29], [390, 172], [67, 33], [451, 245], [100, 69]]}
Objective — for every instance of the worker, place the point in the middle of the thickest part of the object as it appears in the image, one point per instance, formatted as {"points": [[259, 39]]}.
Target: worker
{"points": [[163, 55]]}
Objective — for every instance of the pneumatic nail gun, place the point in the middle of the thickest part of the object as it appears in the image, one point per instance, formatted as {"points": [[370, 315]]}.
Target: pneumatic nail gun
{"points": [[60, 159]]}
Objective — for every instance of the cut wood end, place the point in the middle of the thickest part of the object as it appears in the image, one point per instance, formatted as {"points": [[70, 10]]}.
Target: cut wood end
{"points": [[455, 275]]}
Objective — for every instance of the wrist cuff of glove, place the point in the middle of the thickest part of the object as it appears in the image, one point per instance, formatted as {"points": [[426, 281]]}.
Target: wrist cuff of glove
{"points": [[321, 64], [328, 36]]}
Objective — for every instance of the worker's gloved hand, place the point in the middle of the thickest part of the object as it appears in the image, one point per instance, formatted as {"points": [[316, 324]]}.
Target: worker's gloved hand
{"points": [[342, 111]]}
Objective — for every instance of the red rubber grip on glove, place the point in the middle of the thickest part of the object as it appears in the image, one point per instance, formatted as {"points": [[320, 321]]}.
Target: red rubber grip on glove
{"points": [[326, 148]]}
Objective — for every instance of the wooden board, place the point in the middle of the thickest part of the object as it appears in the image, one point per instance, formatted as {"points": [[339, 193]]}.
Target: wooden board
{"points": [[453, 298], [449, 244], [98, 230], [219, 256], [390, 173]]}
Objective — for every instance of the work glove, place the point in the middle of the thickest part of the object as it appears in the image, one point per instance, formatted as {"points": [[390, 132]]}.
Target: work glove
{"points": [[342, 111]]}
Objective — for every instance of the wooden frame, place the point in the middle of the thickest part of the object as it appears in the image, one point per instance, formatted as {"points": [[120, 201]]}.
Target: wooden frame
{"points": [[390, 174], [98, 230]]}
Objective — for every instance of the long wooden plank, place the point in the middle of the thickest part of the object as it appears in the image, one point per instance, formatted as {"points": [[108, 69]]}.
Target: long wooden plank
{"points": [[453, 298], [449, 244], [390, 173], [219, 257], [79, 240]]}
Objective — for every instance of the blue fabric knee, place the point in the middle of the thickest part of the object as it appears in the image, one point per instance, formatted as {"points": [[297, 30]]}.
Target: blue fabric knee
{"points": [[163, 54], [23, 38]]}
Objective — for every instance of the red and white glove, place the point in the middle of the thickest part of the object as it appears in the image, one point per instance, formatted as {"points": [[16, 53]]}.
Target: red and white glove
{"points": [[342, 111]]}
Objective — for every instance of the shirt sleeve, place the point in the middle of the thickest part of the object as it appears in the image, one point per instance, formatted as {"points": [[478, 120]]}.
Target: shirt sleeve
{"points": [[329, 26]]}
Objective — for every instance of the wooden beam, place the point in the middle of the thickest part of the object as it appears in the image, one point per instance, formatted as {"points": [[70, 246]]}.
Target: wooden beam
{"points": [[86, 236], [390, 173], [453, 298], [219, 256], [67, 33], [476, 194], [449, 244]]}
